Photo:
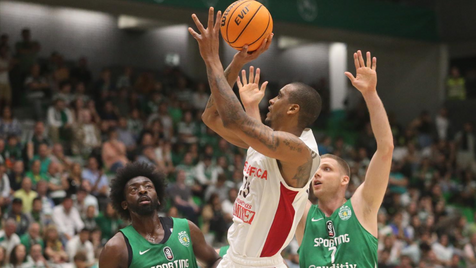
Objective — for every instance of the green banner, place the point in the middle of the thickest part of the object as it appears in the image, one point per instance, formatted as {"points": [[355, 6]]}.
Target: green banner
{"points": [[366, 16]]}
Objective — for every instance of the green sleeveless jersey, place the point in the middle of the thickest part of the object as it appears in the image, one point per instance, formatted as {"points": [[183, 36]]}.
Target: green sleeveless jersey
{"points": [[176, 252], [338, 241]]}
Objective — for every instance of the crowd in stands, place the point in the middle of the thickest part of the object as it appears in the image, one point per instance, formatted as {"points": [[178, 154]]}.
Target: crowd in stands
{"points": [[54, 174]]}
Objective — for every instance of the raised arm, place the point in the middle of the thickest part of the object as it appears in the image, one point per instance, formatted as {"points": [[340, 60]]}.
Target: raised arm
{"points": [[210, 115], [369, 196], [286, 147]]}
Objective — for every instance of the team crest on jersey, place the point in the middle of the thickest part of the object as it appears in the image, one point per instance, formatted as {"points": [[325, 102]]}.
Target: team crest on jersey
{"points": [[330, 229], [345, 213], [169, 255], [184, 239]]}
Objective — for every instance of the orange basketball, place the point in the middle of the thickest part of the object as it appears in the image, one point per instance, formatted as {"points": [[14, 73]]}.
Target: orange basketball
{"points": [[246, 22]]}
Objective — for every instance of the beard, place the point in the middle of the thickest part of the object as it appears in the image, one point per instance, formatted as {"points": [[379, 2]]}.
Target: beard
{"points": [[145, 210], [267, 122]]}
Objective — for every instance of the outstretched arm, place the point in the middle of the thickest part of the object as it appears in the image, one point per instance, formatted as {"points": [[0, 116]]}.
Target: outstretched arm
{"points": [[205, 254], [286, 147], [369, 196], [210, 116]]}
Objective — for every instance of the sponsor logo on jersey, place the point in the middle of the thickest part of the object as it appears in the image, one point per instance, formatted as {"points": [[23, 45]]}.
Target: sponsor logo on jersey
{"points": [[345, 213], [330, 229], [143, 252], [169, 255], [255, 171], [243, 213], [184, 239], [317, 219], [175, 264], [334, 265], [331, 242]]}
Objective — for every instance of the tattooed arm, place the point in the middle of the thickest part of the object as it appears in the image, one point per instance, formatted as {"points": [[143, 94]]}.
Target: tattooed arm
{"points": [[294, 155], [211, 117]]}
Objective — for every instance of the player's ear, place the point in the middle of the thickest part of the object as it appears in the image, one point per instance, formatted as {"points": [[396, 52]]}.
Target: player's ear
{"points": [[345, 180], [124, 205], [293, 109]]}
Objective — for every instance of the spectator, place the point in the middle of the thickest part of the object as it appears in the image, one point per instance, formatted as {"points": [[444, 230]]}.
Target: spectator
{"points": [[125, 80], [424, 126], [64, 93], [4, 187], [122, 102], [67, 218], [32, 237], [470, 251], [443, 250], [54, 251], [26, 51], [81, 73], [58, 156], [187, 167], [36, 257], [60, 121], [87, 135], [37, 215], [184, 94], [44, 157], [96, 239], [109, 223], [13, 151], [125, 135], [35, 174], [206, 172], [18, 257], [181, 195], [21, 219], [145, 84], [80, 92], [110, 114], [200, 97], [47, 203], [97, 180], [227, 205], [3, 256], [39, 137], [57, 182], [103, 86], [149, 157], [167, 121], [8, 238], [8, 124], [37, 88], [455, 85], [26, 194], [90, 218], [213, 218], [114, 152], [152, 105], [6, 65], [74, 179], [61, 72], [80, 243], [220, 188], [16, 175], [443, 125], [81, 260], [134, 123], [466, 147], [84, 200]]}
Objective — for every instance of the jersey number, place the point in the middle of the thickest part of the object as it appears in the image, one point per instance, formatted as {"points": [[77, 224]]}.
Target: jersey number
{"points": [[245, 189], [333, 255]]}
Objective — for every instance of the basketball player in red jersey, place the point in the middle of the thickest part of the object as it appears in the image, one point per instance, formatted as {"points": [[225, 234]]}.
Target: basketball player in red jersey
{"points": [[280, 162]]}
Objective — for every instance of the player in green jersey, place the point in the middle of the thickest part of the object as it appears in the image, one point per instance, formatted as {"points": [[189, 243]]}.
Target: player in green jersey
{"points": [[342, 233], [150, 240]]}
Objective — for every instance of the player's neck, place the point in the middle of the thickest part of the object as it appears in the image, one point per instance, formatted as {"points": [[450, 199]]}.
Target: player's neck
{"points": [[146, 224], [331, 204]]}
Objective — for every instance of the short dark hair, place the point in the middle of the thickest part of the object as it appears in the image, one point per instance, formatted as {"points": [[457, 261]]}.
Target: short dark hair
{"points": [[128, 173], [343, 165], [309, 101]]}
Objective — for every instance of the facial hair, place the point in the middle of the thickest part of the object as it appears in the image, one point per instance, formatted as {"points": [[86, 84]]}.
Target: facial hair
{"points": [[145, 210]]}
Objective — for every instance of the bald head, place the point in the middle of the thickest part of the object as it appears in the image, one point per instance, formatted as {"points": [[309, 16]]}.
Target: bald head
{"points": [[309, 101]]}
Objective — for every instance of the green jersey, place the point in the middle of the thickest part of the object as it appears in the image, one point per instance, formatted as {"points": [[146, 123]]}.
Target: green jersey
{"points": [[175, 252], [338, 241]]}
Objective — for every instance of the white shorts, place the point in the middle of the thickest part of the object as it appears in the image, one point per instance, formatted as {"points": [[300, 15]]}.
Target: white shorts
{"points": [[230, 261]]}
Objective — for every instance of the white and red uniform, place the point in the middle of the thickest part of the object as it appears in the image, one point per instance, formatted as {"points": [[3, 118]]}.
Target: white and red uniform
{"points": [[266, 211]]}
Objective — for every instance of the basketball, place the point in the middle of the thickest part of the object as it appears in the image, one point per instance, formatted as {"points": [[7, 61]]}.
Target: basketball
{"points": [[246, 22]]}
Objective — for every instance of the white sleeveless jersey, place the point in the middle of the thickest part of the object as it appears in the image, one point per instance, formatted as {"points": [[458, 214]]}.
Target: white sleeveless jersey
{"points": [[266, 211]]}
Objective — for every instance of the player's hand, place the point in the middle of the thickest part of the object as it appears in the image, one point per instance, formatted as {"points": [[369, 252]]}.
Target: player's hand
{"points": [[243, 56], [208, 39], [250, 92], [366, 78]]}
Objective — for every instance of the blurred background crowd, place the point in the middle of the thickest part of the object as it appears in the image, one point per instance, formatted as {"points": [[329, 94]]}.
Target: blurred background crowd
{"points": [[70, 131]]}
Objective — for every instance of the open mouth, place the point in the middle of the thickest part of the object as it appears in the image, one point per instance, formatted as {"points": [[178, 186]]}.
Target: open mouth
{"points": [[144, 200]]}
